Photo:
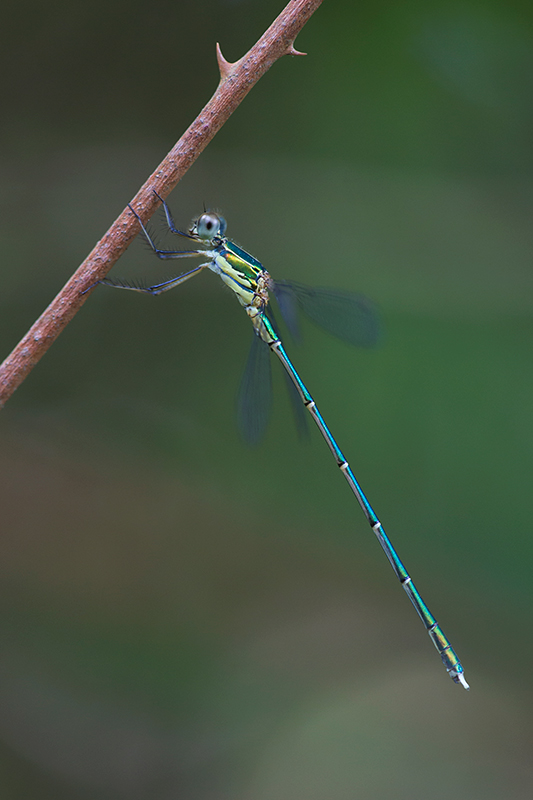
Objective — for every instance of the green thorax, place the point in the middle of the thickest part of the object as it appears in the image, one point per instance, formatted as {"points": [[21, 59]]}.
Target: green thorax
{"points": [[241, 261]]}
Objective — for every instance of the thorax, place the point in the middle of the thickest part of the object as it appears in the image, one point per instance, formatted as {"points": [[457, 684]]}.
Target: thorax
{"points": [[245, 276], [241, 272]]}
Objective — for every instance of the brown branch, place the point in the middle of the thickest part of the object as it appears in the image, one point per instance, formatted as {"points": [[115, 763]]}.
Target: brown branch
{"points": [[236, 80]]}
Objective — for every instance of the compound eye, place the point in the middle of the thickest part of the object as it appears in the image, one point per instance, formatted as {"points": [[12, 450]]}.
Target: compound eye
{"points": [[210, 225]]}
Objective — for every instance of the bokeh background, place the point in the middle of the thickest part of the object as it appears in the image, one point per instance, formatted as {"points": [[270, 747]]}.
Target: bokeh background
{"points": [[181, 616]]}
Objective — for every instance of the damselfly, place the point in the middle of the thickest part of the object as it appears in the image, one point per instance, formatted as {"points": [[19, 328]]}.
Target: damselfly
{"points": [[346, 315]]}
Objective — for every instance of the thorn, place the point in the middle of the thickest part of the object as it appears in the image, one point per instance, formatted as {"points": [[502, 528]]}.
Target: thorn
{"points": [[224, 67], [293, 52]]}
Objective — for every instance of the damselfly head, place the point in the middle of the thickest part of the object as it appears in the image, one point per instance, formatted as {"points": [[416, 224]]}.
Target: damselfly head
{"points": [[208, 226]]}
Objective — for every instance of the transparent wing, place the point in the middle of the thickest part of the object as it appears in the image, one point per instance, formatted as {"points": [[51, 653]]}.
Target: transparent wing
{"points": [[298, 410], [288, 306], [254, 400], [347, 315]]}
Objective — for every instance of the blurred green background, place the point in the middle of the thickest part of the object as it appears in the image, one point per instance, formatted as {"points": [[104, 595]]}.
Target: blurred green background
{"points": [[181, 616]]}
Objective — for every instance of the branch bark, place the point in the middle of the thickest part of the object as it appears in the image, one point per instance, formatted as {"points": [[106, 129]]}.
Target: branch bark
{"points": [[236, 80]]}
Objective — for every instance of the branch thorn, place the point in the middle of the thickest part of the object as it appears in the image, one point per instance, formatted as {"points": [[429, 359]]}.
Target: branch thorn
{"points": [[224, 67]]}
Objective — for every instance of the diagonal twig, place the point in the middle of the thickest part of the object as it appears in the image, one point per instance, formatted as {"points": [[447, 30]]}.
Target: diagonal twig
{"points": [[236, 80]]}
